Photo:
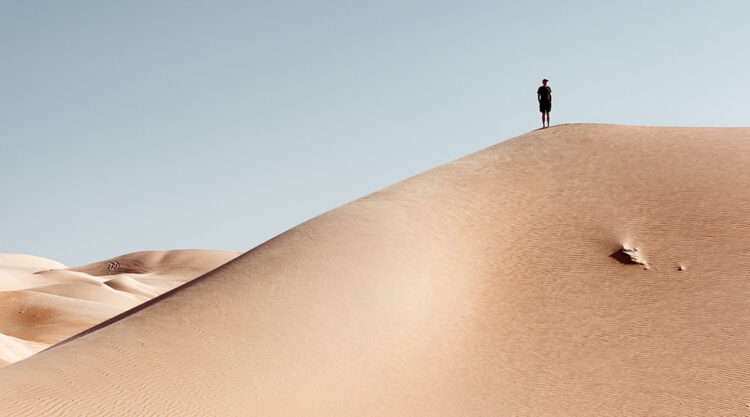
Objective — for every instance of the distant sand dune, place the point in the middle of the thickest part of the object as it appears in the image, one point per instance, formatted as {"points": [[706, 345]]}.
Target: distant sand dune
{"points": [[14, 349], [42, 302], [489, 286], [29, 263]]}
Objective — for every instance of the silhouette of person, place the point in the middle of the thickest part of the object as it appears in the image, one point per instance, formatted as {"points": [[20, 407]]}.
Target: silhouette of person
{"points": [[544, 95]]}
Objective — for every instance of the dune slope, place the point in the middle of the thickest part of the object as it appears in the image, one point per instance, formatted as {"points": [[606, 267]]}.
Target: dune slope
{"points": [[581, 270]]}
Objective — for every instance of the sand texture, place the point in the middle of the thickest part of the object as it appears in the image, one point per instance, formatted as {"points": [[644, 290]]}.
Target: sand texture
{"points": [[580, 270], [42, 302]]}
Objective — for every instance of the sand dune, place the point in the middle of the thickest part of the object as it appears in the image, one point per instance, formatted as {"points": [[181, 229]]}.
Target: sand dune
{"points": [[581, 270], [42, 302], [13, 349]]}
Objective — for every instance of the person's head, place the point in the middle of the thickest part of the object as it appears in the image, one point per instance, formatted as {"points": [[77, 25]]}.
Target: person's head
{"points": [[544, 81]]}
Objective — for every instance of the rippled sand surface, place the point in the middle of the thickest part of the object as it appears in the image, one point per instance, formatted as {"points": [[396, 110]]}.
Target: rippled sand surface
{"points": [[580, 270]]}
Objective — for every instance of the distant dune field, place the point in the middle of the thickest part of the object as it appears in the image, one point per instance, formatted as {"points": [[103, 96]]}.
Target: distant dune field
{"points": [[580, 270], [42, 302]]}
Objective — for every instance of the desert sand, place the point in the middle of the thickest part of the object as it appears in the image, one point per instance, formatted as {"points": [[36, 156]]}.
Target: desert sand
{"points": [[42, 302], [580, 270]]}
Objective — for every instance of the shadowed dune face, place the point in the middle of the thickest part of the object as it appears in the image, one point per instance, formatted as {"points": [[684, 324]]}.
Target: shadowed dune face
{"points": [[42, 302], [487, 286]]}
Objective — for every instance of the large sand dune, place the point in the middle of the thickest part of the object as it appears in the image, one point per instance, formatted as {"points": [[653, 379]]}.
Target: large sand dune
{"points": [[42, 302], [581, 270]]}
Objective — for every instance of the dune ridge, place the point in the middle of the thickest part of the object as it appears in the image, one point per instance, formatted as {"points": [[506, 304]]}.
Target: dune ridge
{"points": [[43, 302], [486, 286]]}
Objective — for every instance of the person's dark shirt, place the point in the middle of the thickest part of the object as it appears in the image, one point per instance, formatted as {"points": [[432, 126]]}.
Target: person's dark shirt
{"points": [[545, 94]]}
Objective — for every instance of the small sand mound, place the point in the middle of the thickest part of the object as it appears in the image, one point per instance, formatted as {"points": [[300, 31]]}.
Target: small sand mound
{"points": [[133, 286], [630, 256]]}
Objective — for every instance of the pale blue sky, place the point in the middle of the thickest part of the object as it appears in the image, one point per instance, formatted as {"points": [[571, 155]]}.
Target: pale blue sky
{"points": [[145, 125]]}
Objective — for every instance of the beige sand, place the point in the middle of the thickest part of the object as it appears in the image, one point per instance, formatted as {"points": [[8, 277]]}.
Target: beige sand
{"points": [[485, 287], [42, 302]]}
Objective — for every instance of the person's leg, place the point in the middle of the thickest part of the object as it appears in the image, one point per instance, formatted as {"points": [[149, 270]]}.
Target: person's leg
{"points": [[542, 119], [547, 119]]}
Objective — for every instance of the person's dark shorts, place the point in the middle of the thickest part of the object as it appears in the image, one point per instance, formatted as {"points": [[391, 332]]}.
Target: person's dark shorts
{"points": [[545, 107]]}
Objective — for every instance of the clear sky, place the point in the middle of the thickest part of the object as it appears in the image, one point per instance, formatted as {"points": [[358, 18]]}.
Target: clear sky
{"points": [[144, 125]]}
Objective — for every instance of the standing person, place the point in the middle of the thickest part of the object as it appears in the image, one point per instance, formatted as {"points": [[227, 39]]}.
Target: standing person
{"points": [[544, 95]]}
